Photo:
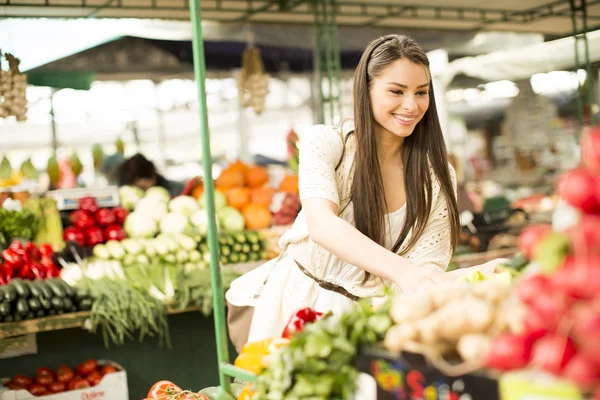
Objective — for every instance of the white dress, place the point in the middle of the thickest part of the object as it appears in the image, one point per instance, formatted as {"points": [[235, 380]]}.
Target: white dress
{"points": [[278, 288]]}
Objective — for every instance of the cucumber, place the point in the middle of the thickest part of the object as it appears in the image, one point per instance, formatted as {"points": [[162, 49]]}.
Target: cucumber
{"points": [[56, 288], [21, 288], [2, 292], [10, 293], [34, 289], [34, 304], [255, 247], [252, 237], [85, 305], [67, 304], [68, 289], [45, 303], [81, 294], [57, 303], [45, 289], [240, 237], [246, 248], [5, 308], [9, 318], [22, 307]]}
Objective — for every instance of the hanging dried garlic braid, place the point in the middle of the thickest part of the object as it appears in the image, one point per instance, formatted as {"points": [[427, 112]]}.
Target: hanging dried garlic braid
{"points": [[13, 85], [253, 82]]}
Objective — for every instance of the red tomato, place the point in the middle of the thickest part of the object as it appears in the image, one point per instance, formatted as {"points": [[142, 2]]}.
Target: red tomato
{"points": [[36, 390], [120, 215], [88, 203], [163, 388], [44, 371], [108, 369], [94, 378], [57, 387], [22, 380], [64, 374], [77, 384], [44, 380], [14, 385], [87, 367]]}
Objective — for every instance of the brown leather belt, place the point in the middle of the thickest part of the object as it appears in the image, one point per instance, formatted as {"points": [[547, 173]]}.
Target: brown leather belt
{"points": [[328, 285]]}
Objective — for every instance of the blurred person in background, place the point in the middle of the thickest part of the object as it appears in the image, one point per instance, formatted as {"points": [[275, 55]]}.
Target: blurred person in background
{"points": [[141, 172]]}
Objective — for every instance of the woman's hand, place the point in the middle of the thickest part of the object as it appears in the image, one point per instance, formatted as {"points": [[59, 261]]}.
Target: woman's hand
{"points": [[487, 269], [408, 276]]}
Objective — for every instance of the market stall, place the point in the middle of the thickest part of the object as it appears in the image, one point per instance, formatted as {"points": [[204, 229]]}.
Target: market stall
{"points": [[366, 327]]}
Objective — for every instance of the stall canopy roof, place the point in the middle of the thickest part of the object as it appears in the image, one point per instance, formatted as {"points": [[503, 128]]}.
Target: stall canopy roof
{"points": [[516, 64], [551, 18]]}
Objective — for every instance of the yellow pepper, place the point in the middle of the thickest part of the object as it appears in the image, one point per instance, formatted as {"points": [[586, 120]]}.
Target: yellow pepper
{"points": [[247, 393], [254, 355]]}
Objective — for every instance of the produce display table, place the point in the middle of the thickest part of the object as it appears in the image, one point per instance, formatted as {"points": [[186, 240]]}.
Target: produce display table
{"points": [[191, 362]]}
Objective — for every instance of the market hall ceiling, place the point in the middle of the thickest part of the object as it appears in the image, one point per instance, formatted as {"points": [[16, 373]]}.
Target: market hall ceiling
{"points": [[552, 18]]}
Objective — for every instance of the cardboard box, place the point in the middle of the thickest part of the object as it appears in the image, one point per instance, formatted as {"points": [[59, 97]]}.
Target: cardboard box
{"points": [[409, 377], [111, 387]]}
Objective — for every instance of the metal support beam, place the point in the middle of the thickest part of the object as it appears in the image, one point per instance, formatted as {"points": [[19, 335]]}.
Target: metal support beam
{"points": [[579, 16], [327, 60], [209, 193], [377, 11]]}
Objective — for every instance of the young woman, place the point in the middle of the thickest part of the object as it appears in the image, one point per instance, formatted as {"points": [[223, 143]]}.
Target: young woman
{"points": [[378, 202]]}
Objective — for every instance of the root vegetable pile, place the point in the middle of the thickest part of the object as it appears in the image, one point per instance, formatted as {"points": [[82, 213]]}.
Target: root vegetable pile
{"points": [[446, 320]]}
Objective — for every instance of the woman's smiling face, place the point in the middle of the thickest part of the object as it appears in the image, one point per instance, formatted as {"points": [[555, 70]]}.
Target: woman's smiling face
{"points": [[400, 97]]}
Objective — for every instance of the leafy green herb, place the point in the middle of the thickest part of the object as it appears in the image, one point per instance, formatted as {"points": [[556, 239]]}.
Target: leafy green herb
{"points": [[318, 362], [17, 225]]}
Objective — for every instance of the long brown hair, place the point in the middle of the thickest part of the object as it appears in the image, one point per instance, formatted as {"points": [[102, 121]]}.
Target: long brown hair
{"points": [[424, 147]]}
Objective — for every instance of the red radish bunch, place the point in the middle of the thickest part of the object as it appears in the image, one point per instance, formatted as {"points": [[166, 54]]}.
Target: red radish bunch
{"points": [[92, 225], [561, 325]]}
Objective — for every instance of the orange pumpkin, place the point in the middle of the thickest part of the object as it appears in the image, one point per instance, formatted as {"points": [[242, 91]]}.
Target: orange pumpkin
{"points": [[262, 195], [256, 176], [257, 216], [238, 197], [289, 184], [230, 178], [238, 165]]}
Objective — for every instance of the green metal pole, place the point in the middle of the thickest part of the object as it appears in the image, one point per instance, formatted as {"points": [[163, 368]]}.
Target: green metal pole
{"points": [[318, 61], [577, 64], [588, 64], [209, 193], [336, 53], [328, 59]]}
